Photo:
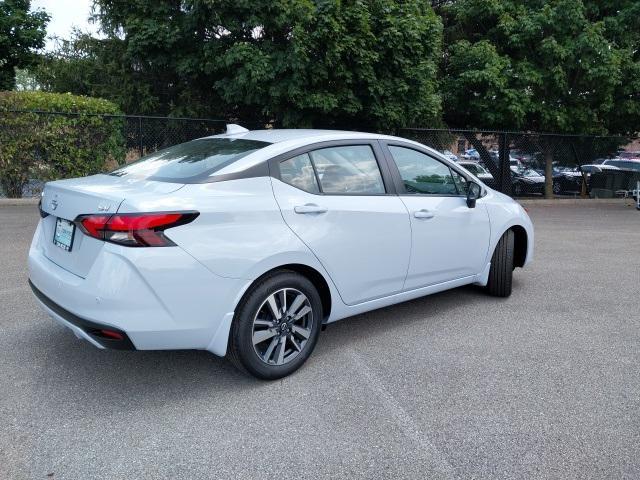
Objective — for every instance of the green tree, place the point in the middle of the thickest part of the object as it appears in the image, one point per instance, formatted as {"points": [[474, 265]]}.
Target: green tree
{"points": [[84, 65], [370, 65], [21, 32], [557, 66]]}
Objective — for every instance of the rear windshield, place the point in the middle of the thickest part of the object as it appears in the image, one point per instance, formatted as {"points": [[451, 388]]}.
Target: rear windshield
{"points": [[190, 161]]}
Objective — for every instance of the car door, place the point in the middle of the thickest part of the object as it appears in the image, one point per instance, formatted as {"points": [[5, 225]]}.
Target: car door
{"points": [[340, 202], [449, 239]]}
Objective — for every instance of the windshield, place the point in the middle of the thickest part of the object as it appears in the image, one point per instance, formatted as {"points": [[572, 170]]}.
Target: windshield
{"points": [[187, 161], [527, 172]]}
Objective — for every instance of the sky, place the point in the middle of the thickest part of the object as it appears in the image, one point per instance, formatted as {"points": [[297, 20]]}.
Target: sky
{"points": [[65, 14]]}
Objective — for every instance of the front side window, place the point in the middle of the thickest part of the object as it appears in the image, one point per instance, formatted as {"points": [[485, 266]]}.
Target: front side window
{"points": [[348, 170], [298, 172], [188, 160], [422, 174]]}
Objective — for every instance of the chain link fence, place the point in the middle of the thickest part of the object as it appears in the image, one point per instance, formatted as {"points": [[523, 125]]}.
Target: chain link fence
{"points": [[39, 146], [524, 164]]}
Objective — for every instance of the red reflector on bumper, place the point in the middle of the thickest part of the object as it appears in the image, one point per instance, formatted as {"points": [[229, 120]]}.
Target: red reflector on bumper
{"points": [[111, 334]]}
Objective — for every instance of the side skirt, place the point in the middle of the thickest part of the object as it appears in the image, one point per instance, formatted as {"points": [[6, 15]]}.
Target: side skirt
{"points": [[342, 311]]}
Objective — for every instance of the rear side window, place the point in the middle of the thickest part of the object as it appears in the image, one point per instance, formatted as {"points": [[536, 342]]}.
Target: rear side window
{"points": [[298, 171], [422, 174], [190, 160], [350, 170]]}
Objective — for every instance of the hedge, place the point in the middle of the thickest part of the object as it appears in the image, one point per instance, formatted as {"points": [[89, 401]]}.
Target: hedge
{"points": [[82, 137]]}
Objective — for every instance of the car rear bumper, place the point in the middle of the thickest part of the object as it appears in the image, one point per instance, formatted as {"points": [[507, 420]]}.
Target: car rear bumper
{"points": [[91, 331], [157, 298]]}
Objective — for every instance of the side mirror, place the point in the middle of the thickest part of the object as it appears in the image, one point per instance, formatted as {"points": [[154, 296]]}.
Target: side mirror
{"points": [[473, 193]]}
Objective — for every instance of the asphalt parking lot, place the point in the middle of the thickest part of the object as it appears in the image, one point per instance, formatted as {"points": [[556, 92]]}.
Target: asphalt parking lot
{"points": [[545, 384]]}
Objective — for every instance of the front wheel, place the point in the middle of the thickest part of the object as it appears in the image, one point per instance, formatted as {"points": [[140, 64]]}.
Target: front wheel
{"points": [[276, 326], [501, 272]]}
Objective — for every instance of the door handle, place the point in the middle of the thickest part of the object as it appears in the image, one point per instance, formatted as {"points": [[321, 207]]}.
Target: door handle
{"points": [[424, 214], [309, 208]]}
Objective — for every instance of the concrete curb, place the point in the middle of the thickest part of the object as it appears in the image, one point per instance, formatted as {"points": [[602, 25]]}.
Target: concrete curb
{"points": [[559, 202], [14, 202]]}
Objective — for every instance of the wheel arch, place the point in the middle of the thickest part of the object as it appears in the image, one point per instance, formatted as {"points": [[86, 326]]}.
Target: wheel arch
{"points": [[312, 274], [521, 245]]}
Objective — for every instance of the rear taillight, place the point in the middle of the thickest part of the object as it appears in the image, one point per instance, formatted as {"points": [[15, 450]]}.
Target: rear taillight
{"points": [[134, 229]]}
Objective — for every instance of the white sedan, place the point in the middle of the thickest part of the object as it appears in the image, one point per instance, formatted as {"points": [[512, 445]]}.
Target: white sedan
{"points": [[478, 170], [248, 243]]}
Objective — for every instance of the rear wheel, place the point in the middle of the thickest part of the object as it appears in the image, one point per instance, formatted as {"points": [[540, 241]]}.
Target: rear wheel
{"points": [[276, 326], [501, 272], [557, 188]]}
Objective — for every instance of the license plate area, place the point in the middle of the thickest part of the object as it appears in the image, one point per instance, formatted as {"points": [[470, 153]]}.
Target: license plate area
{"points": [[63, 234]]}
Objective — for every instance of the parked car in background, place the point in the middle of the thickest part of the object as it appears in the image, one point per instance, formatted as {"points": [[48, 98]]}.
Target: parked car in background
{"points": [[471, 154], [527, 158], [478, 170], [449, 155], [596, 168], [624, 163], [567, 180], [526, 181]]}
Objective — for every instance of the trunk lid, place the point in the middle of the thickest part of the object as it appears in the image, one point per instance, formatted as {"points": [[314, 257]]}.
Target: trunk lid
{"points": [[66, 199]]}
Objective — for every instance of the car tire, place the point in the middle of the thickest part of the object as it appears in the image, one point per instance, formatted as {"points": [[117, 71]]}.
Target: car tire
{"points": [[501, 272], [254, 319], [557, 188]]}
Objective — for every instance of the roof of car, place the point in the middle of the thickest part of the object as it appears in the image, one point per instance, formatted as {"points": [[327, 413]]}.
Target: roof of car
{"points": [[621, 159], [603, 166], [287, 134], [284, 140]]}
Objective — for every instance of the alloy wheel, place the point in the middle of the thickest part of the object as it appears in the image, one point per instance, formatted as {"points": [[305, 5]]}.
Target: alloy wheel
{"points": [[282, 326]]}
